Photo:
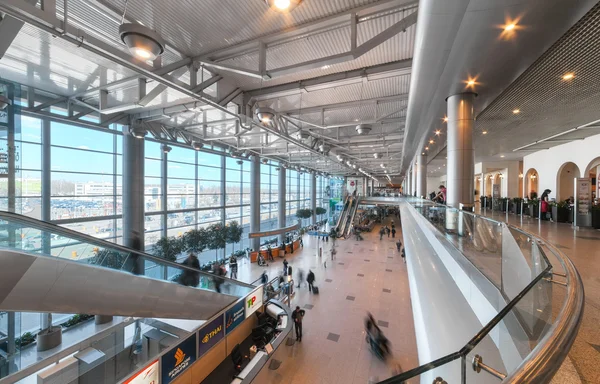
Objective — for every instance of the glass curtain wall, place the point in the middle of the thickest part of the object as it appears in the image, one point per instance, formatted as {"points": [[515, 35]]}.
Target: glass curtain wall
{"points": [[269, 185], [292, 196]]}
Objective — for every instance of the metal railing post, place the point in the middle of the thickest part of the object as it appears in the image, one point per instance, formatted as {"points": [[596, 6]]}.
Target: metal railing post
{"points": [[478, 365]]}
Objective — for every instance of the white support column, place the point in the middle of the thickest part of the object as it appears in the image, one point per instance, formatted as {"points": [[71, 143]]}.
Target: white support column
{"points": [[255, 201], [421, 175], [313, 197], [282, 201], [414, 179]]}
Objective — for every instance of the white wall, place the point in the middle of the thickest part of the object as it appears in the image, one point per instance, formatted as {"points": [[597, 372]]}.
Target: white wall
{"points": [[433, 184], [549, 161]]}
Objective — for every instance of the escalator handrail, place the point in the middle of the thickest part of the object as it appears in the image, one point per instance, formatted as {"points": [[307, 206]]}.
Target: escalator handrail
{"points": [[50, 227], [353, 215], [342, 214]]}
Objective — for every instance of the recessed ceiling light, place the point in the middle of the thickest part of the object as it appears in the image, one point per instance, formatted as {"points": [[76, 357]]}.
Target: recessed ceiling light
{"points": [[437, 133], [516, 111], [509, 27], [501, 155], [431, 141], [427, 148], [568, 76], [142, 42], [326, 67], [446, 117], [484, 132]]}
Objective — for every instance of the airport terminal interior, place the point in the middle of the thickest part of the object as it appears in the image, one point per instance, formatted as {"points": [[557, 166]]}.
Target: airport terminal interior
{"points": [[299, 191]]}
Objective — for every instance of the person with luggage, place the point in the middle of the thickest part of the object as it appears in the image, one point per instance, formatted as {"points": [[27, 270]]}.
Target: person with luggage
{"points": [[233, 267], [310, 279], [297, 316]]}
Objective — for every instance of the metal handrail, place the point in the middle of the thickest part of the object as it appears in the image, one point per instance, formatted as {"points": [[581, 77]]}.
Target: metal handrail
{"points": [[38, 224], [545, 359]]}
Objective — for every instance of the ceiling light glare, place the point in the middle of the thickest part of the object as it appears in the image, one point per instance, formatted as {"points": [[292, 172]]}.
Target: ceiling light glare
{"points": [[142, 42], [501, 155], [431, 141], [446, 117], [509, 27], [568, 76], [484, 132], [283, 6], [471, 83], [427, 148], [326, 67], [516, 111], [437, 133], [197, 145], [264, 115]]}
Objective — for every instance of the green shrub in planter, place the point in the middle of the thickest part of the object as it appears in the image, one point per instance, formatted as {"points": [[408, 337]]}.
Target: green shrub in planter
{"points": [[304, 213], [560, 212], [25, 339], [321, 211]]}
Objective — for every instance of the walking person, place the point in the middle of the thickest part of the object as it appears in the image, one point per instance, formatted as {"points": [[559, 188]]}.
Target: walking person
{"points": [[387, 230], [398, 245], [189, 277], [300, 277], [393, 232], [403, 254], [310, 279], [381, 233], [333, 252], [233, 267], [285, 267], [297, 316], [218, 272]]}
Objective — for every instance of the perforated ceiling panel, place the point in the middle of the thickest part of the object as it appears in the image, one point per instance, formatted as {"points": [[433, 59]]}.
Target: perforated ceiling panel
{"points": [[547, 103]]}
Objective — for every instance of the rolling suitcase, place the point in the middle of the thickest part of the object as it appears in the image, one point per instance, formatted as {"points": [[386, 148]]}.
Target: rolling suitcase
{"points": [[315, 290]]}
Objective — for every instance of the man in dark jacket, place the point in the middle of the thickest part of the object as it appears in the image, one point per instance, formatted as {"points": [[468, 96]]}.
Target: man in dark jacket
{"points": [[310, 279], [297, 316], [191, 278]]}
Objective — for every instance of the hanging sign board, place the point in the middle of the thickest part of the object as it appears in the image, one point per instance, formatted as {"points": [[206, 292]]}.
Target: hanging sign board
{"points": [[178, 359], [148, 375]]}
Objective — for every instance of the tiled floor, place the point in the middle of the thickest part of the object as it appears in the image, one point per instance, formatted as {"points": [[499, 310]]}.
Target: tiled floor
{"points": [[583, 248], [333, 348]]}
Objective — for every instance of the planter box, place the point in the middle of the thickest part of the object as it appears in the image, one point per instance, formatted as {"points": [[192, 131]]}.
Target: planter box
{"points": [[515, 208], [596, 218], [560, 215], [49, 338], [534, 210]]}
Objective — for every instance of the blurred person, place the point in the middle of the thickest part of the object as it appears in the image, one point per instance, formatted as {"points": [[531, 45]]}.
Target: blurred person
{"points": [[300, 277], [310, 279], [233, 267], [191, 278]]}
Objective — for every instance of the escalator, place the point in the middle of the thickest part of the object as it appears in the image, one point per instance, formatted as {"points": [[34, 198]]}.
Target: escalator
{"points": [[353, 207], [343, 214], [48, 268]]}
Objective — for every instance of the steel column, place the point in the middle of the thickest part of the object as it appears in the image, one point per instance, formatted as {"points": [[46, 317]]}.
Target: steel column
{"points": [[414, 179], [255, 201], [421, 175], [313, 197], [133, 196], [282, 200]]}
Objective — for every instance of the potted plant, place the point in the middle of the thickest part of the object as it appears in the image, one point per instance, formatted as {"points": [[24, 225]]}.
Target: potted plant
{"points": [[534, 207], [320, 211], [503, 202], [516, 205], [196, 240], [50, 336], [596, 216], [234, 233], [25, 339], [560, 212], [304, 214], [168, 248]]}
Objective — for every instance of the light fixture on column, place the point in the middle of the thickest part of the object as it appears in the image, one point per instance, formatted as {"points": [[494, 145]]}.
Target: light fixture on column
{"points": [[4, 102], [283, 6], [197, 145], [520, 175], [264, 114], [438, 132], [265, 161], [363, 129], [165, 148], [138, 131], [142, 42]]}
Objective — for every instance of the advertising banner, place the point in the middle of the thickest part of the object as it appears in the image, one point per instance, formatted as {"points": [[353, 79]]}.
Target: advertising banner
{"points": [[584, 196], [254, 301], [148, 375], [178, 359], [210, 334], [496, 191], [234, 316]]}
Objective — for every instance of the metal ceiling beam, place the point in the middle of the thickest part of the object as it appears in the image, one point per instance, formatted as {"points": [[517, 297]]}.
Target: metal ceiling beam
{"points": [[9, 29], [347, 124], [396, 68], [160, 88], [348, 104]]}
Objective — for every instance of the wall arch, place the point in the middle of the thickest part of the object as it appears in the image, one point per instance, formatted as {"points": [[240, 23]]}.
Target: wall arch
{"points": [[564, 180], [531, 182], [593, 164]]}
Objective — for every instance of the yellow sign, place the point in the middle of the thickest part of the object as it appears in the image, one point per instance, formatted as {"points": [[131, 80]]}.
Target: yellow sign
{"points": [[179, 356]]}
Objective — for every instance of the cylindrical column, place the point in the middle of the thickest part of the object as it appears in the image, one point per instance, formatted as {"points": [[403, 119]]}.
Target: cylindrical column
{"points": [[281, 201], [414, 179], [460, 150], [133, 192], [409, 182], [421, 175], [255, 201], [313, 197]]}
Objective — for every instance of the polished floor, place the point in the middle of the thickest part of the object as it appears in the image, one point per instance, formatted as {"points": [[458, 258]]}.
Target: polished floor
{"points": [[582, 246], [366, 275]]}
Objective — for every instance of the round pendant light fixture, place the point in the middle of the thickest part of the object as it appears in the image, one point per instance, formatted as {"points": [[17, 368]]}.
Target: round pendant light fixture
{"points": [[138, 131], [142, 42], [197, 145], [283, 6], [364, 129], [4, 102], [264, 114]]}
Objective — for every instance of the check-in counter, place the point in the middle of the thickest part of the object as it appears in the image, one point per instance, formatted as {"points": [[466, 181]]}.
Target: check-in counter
{"points": [[265, 252]]}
